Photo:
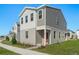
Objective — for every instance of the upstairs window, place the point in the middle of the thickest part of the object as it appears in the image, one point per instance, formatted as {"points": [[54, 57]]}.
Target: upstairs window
{"points": [[26, 19], [57, 22], [57, 19], [22, 20], [32, 17], [40, 14]]}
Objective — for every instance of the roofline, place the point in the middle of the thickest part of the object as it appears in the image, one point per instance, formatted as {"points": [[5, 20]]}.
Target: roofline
{"points": [[33, 8], [43, 6], [28, 8]]}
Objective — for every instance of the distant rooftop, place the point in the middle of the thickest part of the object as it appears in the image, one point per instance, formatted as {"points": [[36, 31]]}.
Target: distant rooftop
{"points": [[77, 30], [71, 31]]}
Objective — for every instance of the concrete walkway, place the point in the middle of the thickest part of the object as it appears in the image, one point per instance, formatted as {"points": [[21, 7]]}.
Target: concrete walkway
{"points": [[21, 50]]}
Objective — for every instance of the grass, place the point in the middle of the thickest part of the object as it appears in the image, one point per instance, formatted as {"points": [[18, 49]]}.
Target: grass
{"points": [[70, 47], [16, 45], [6, 52]]}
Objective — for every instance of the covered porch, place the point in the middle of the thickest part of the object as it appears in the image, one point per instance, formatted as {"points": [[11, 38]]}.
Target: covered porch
{"points": [[43, 37]]}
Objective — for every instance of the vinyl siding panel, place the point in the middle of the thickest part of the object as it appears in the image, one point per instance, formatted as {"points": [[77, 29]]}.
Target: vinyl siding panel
{"points": [[52, 15]]}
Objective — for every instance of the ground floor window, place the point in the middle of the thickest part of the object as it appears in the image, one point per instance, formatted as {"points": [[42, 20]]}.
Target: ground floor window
{"points": [[59, 34], [26, 33], [54, 34]]}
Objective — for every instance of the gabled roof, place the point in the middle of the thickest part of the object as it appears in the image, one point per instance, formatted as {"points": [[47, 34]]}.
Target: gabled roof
{"points": [[40, 7], [27, 8]]}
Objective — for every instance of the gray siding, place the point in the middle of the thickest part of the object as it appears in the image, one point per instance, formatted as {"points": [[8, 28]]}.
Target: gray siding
{"points": [[52, 16], [41, 22], [57, 39]]}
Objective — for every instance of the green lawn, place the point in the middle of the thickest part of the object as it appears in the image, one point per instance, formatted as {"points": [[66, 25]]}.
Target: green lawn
{"points": [[6, 52], [70, 47], [16, 45]]}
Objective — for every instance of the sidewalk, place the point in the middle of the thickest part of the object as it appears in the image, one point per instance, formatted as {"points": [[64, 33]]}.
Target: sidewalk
{"points": [[21, 50]]}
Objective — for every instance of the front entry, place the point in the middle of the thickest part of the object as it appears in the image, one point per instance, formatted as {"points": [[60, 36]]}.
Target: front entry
{"points": [[47, 37], [41, 38]]}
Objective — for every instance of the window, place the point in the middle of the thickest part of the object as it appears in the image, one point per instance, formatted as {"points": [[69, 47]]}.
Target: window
{"points": [[32, 17], [22, 20], [26, 19], [54, 34], [26, 34], [40, 14], [59, 34], [57, 22]]}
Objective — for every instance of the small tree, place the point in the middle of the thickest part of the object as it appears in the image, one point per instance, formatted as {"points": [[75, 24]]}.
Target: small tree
{"points": [[7, 38], [14, 40]]}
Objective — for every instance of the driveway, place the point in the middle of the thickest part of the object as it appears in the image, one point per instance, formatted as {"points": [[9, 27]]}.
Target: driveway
{"points": [[21, 50]]}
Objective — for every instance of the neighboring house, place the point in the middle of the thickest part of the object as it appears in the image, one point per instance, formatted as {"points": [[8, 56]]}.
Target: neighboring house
{"points": [[77, 33], [10, 35], [70, 35], [2, 37], [16, 31]]}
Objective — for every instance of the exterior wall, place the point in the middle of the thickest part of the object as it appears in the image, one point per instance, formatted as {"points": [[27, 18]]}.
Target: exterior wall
{"points": [[31, 36], [16, 31], [77, 33], [54, 15], [18, 36], [41, 22], [29, 26], [57, 39], [39, 36], [71, 35]]}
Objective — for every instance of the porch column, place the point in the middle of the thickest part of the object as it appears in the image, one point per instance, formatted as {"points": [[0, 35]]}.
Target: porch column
{"points": [[44, 42]]}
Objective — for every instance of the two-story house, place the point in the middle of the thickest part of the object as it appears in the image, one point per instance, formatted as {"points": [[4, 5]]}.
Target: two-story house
{"points": [[15, 32], [42, 26]]}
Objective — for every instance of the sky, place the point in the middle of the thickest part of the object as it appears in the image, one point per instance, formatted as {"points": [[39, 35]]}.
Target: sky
{"points": [[9, 15]]}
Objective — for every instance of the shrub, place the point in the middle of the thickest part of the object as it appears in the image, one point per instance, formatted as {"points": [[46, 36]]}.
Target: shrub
{"points": [[7, 38], [14, 40]]}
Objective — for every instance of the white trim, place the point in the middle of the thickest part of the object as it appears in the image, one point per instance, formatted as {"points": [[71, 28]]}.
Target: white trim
{"points": [[50, 38], [40, 27]]}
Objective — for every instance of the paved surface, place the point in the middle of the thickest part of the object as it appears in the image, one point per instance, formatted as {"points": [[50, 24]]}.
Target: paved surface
{"points": [[32, 47], [21, 50]]}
